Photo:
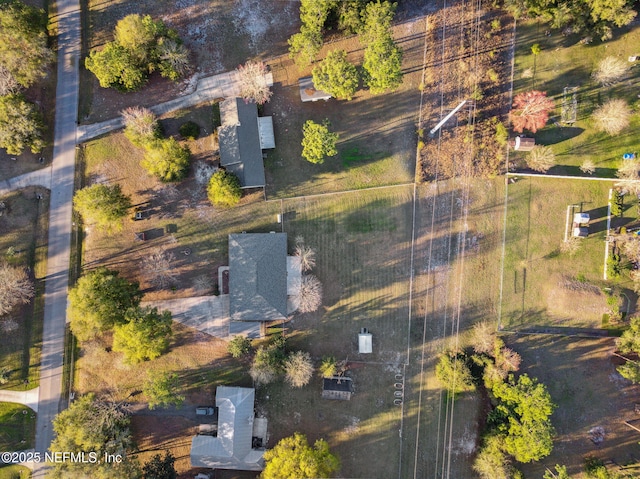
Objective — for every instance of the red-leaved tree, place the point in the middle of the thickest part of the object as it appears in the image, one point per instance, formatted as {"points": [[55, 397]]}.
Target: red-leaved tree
{"points": [[530, 111]]}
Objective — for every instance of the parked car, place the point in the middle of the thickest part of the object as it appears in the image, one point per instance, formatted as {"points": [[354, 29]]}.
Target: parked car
{"points": [[204, 411]]}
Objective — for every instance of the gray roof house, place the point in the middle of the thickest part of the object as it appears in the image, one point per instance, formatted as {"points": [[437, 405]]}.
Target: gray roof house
{"points": [[242, 137], [232, 448]]}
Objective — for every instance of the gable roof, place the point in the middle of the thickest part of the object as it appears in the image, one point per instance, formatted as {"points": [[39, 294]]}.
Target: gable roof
{"points": [[239, 141], [258, 276], [231, 449]]}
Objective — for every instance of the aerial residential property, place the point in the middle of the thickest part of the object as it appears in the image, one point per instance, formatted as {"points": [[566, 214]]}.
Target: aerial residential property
{"points": [[247, 239]]}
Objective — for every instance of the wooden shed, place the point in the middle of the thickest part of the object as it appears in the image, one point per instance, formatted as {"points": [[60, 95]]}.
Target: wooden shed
{"points": [[340, 388]]}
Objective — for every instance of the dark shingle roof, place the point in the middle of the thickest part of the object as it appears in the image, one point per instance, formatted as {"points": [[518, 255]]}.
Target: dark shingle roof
{"points": [[239, 141], [258, 276]]}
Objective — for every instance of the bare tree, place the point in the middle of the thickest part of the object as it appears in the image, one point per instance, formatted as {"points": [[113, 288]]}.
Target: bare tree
{"points": [[140, 123], [483, 337], [310, 294], [8, 83], [15, 288], [307, 257], [158, 267], [298, 369], [175, 55], [612, 117], [588, 166], [610, 70], [508, 360], [530, 111], [541, 158], [252, 77]]}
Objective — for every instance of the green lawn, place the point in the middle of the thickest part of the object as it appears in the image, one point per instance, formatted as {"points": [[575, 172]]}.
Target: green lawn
{"points": [[565, 63], [17, 427], [535, 266], [23, 243], [14, 472]]}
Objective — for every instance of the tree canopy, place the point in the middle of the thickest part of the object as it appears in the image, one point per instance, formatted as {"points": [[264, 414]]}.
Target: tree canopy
{"points": [[160, 467], [305, 45], [103, 205], [163, 390], [15, 287], [253, 82], [318, 142], [293, 458], [530, 111], [21, 125], [522, 416], [92, 426], [23, 42], [144, 335], [224, 189], [298, 369], [336, 75], [99, 301], [141, 46], [454, 374], [166, 159]]}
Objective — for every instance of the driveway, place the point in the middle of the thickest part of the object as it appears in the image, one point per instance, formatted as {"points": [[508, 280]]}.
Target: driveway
{"points": [[28, 398], [40, 177], [209, 314]]}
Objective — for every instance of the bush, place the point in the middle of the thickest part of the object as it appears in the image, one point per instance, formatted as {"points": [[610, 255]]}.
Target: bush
{"points": [[610, 70], [617, 203], [613, 266], [239, 347], [224, 189], [189, 130], [612, 117], [166, 159]]}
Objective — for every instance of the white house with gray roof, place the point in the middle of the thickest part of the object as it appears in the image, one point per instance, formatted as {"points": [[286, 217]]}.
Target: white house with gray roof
{"points": [[242, 137], [232, 448]]}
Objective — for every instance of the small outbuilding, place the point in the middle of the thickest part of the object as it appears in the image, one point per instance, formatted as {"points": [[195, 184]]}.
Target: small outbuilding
{"points": [[308, 91], [581, 225], [520, 143], [365, 345], [339, 388]]}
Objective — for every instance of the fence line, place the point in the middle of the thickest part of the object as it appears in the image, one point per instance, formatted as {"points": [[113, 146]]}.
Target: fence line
{"points": [[563, 177], [340, 192]]}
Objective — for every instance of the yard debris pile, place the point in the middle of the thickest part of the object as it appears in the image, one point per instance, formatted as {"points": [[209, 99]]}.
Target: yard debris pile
{"points": [[596, 434]]}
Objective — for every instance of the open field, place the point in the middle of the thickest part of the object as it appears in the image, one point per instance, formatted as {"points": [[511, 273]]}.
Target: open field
{"points": [[539, 279], [23, 243], [582, 381], [563, 62], [17, 427], [377, 133]]}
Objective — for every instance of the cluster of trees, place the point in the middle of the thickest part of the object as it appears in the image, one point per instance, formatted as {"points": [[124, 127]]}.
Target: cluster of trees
{"points": [[102, 427], [293, 458], [318, 142], [629, 343], [103, 301], [372, 20], [518, 426], [587, 17], [15, 287], [272, 360], [164, 158], [310, 297], [141, 46], [24, 59], [594, 469]]}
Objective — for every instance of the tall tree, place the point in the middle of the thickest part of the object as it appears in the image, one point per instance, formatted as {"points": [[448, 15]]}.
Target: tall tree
{"points": [[99, 301], [115, 67], [141, 125], [304, 46], [166, 159], [94, 428], [23, 42], [160, 467], [298, 369], [144, 335], [454, 374], [522, 415], [612, 117], [224, 189], [336, 75], [15, 288], [252, 77], [163, 390], [382, 57], [530, 111], [541, 158], [293, 458], [103, 205], [310, 296], [21, 125], [318, 142]]}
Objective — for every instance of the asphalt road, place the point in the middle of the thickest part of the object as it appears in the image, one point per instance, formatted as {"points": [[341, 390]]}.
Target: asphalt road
{"points": [[62, 175]]}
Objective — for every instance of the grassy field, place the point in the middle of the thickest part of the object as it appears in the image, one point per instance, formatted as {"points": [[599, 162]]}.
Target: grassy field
{"points": [[582, 381], [23, 243], [536, 291], [17, 427], [377, 142], [563, 62]]}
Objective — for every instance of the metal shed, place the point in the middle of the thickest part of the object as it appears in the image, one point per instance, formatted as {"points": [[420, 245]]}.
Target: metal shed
{"points": [[365, 345]]}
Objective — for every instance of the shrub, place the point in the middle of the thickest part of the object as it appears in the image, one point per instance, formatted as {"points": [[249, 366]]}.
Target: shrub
{"points": [[239, 347], [224, 189], [610, 70], [189, 130], [541, 158], [612, 117], [166, 159], [588, 166]]}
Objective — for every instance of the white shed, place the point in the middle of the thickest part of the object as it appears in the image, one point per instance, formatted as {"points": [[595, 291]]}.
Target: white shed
{"points": [[365, 345]]}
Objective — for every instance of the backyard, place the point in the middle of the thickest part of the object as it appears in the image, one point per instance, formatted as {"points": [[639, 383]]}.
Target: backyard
{"points": [[544, 285], [564, 62]]}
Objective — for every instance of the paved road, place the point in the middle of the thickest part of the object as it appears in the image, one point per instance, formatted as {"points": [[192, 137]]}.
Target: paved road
{"points": [[40, 177], [28, 398], [62, 175]]}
